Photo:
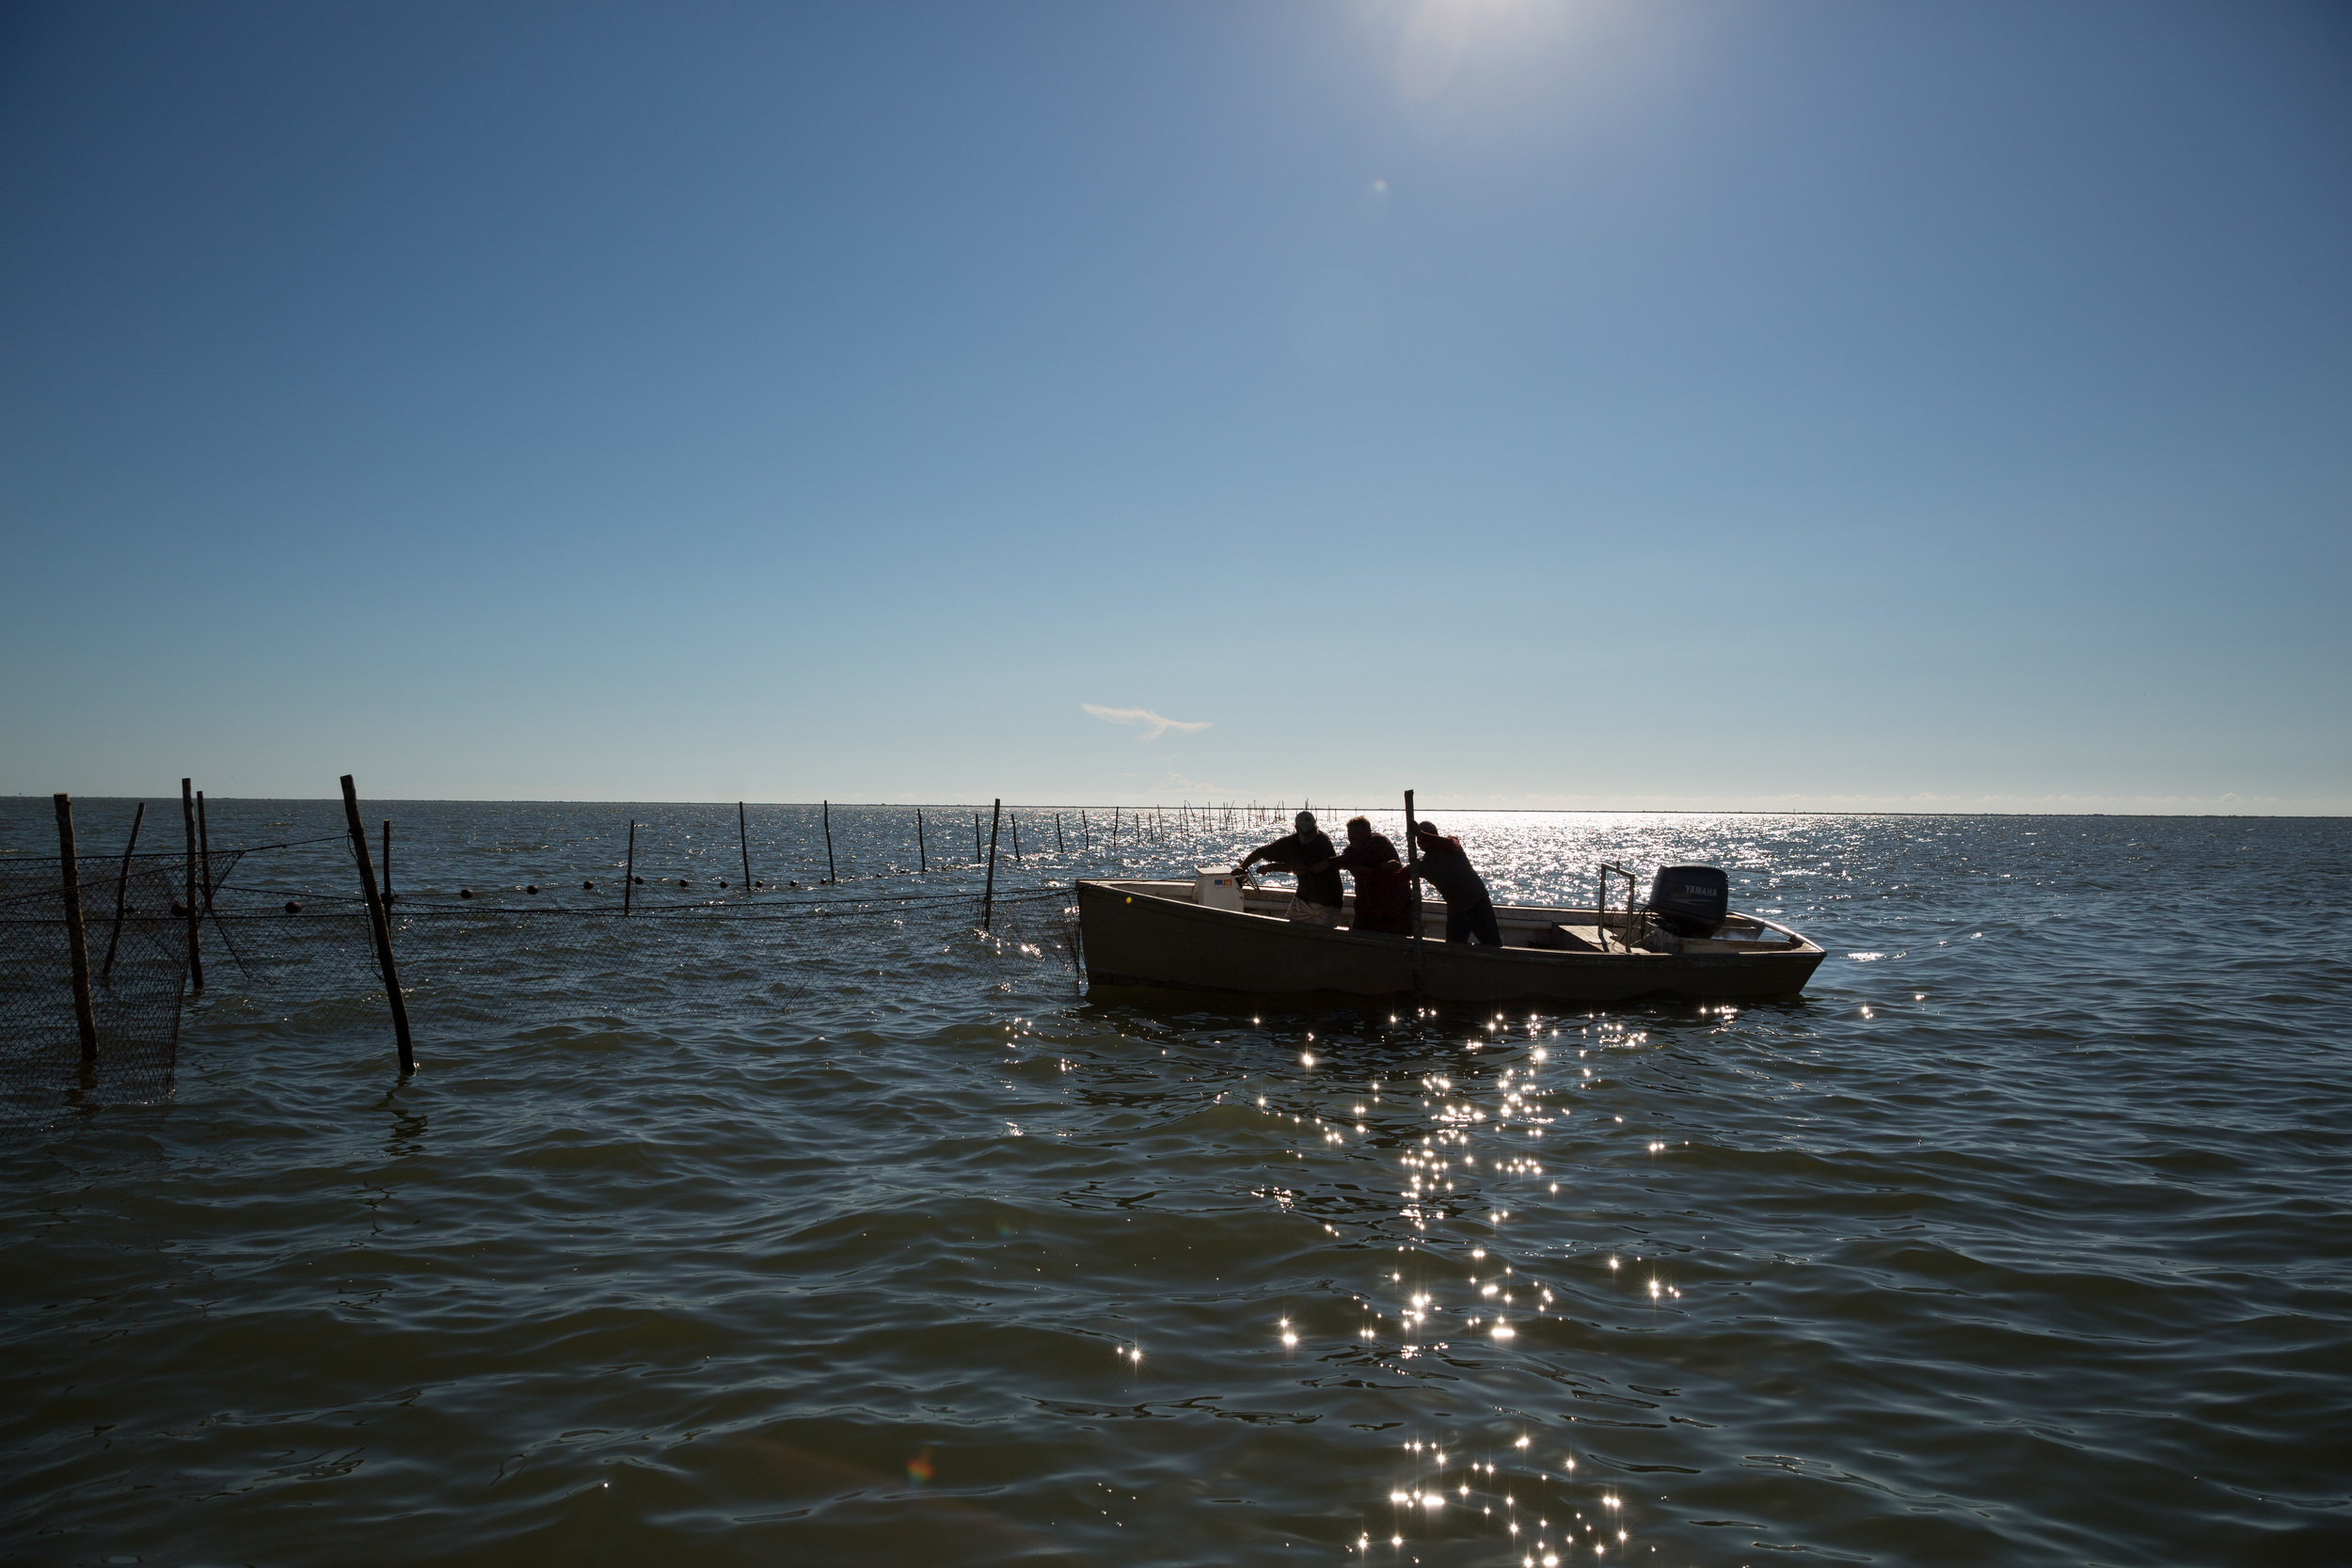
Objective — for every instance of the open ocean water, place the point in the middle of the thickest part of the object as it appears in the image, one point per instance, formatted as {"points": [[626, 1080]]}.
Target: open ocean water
{"points": [[2022, 1238]]}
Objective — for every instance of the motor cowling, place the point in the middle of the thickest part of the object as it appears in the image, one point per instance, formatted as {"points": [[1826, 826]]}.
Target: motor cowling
{"points": [[1690, 900]]}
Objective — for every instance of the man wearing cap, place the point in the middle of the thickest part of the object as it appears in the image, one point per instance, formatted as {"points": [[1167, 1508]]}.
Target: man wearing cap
{"points": [[1469, 913], [1307, 852]]}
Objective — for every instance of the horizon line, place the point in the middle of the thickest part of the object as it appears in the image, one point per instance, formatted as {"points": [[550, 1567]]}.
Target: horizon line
{"points": [[1208, 805]]}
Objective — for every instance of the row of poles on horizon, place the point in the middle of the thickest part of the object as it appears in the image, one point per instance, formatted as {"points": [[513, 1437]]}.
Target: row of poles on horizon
{"points": [[1189, 819], [199, 885]]}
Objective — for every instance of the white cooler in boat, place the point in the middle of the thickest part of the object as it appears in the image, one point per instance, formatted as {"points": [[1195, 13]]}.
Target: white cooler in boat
{"points": [[1216, 888]]}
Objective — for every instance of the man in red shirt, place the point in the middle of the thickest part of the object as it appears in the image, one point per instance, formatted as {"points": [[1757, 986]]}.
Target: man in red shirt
{"points": [[1381, 886]]}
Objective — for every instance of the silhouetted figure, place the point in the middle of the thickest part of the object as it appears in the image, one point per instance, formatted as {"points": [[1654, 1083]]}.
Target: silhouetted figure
{"points": [[1307, 852], [1383, 891], [1469, 913]]}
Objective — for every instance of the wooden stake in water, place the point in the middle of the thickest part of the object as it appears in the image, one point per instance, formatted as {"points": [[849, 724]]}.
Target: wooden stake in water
{"points": [[830, 875], [629, 873], [1058, 845], [976, 838], [922, 852], [196, 914], [743, 836], [383, 926], [988, 895], [1412, 889], [122, 892], [204, 851], [1015, 821], [77, 947]]}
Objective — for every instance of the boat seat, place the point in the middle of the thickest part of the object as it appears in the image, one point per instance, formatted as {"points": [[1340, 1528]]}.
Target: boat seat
{"points": [[1563, 939]]}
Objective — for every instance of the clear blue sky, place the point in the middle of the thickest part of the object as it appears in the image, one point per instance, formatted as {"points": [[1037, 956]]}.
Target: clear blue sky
{"points": [[1598, 403]]}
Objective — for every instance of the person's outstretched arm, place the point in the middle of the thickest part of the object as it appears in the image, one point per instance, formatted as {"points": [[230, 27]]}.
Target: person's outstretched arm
{"points": [[1269, 853]]}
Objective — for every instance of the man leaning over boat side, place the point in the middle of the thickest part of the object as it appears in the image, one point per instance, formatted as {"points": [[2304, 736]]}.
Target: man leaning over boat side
{"points": [[1382, 891], [1307, 851], [1469, 913]]}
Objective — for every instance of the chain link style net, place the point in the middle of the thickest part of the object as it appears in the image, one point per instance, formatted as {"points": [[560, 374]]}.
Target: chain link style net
{"points": [[136, 930]]}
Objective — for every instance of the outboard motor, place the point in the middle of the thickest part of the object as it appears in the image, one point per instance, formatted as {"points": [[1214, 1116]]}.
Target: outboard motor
{"points": [[1690, 900]]}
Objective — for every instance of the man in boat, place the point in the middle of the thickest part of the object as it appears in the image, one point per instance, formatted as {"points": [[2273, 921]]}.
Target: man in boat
{"points": [[1308, 852], [1382, 889], [1469, 913]]}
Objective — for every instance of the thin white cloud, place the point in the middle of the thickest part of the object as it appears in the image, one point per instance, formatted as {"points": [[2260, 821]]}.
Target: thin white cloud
{"points": [[1177, 784], [1153, 724]]}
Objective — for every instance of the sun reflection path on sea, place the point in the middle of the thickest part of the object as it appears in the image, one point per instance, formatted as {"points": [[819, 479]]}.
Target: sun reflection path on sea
{"points": [[1455, 1120], [1459, 1136]]}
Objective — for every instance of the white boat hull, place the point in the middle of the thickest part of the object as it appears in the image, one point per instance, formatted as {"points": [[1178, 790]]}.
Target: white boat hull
{"points": [[1152, 933]]}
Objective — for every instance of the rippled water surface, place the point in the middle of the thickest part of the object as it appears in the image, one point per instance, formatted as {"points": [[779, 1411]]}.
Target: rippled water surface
{"points": [[2021, 1239]]}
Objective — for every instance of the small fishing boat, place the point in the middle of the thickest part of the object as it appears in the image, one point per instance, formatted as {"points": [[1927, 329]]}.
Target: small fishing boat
{"points": [[1219, 934]]}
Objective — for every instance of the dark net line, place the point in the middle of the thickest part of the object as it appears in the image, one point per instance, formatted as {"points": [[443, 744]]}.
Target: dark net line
{"points": [[465, 968]]}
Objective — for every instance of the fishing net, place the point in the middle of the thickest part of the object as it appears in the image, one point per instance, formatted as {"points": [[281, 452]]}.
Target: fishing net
{"points": [[465, 968], [135, 932]]}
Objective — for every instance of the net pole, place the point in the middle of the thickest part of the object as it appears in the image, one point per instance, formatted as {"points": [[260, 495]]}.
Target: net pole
{"points": [[77, 946], [976, 838], [988, 893], [1058, 844], [382, 928], [1412, 889], [830, 875], [628, 875], [204, 851], [743, 836], [1015, 823], [196, 915], [122, 894], [922, 851]]}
